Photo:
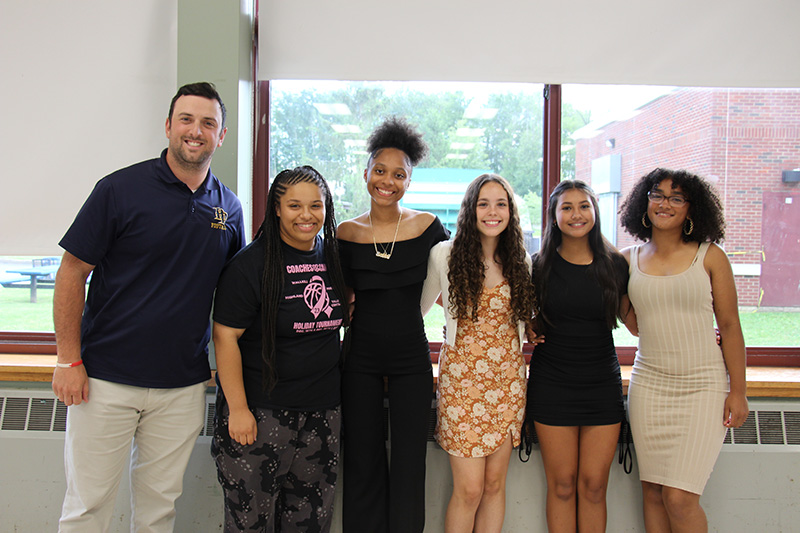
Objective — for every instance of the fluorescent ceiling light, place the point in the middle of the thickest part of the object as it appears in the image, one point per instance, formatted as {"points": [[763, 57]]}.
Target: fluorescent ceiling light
{"points": [[486, 113], [455, 156], [346, 128], [333, 109], [355, 143], [470, 132], [462, 146]]}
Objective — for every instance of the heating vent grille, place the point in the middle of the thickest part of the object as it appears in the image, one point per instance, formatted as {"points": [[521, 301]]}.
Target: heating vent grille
{"points": [[49, 415], [31, 414], [768, 428]]}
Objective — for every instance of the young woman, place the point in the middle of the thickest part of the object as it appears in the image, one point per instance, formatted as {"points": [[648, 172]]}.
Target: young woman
{"points": [[685, 389], [384, 255], [278, 308], [575, 388], [483, 276]]}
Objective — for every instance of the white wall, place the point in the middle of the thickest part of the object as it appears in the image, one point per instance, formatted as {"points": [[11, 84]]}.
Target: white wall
{"points": [[85, 90], [753, 488]]}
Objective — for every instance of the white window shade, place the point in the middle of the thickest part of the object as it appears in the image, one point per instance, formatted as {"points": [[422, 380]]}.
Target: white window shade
{"points": [[85, 91], [728, 43]]}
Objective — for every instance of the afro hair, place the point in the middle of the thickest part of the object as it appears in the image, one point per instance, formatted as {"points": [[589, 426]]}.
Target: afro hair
{"points": [[396, 132], [705, 208]]}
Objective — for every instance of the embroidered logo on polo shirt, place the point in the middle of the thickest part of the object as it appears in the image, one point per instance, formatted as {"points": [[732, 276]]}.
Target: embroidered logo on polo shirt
{"points": [[220, 218]]}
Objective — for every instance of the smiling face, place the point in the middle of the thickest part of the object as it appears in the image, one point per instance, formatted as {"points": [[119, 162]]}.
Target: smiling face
{"points": [[301, 213], [492, 210], [194, 131], [663, 215], [388, 176], [575, 214]]}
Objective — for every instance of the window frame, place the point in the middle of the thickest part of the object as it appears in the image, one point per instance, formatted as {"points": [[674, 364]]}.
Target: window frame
{"points": [[43, 343]]}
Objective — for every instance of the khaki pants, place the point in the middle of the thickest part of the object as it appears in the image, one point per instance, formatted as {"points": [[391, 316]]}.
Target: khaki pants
{"points": [[153, 430]]}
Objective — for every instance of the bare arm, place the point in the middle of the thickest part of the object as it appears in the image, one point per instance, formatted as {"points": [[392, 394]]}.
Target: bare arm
{"points": [[241, 422], [626, 307], [70, 385], [726, 311], [629, 315]]}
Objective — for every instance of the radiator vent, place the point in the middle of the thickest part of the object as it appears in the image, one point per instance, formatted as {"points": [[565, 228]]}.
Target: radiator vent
{"points": [[30, 413], [23, 414]]}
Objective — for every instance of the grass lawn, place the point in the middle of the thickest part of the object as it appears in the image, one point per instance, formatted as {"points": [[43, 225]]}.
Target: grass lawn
{"points": [[17, 313], [760, 328]]}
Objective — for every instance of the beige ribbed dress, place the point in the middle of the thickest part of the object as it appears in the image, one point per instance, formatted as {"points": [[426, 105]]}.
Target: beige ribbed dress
{"points": [[679, 381]]}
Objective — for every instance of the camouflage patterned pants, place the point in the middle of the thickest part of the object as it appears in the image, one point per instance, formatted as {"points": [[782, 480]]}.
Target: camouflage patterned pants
{"points": [[283, 482]]}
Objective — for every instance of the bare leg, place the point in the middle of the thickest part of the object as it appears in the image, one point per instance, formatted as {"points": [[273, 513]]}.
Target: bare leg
{"points": [[492, 509], [684, 511], [559, 447], [468, 479], [597, 446], [656, 519]]}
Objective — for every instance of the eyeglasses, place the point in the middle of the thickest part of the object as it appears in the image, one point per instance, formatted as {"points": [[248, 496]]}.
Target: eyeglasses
{"points": [[675, 201]]}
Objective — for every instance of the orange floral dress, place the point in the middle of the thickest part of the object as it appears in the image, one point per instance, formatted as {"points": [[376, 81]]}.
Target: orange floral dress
{"points": [[482, 381]]}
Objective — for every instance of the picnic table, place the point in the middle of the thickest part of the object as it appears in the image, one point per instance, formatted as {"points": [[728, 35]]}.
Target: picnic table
{"points": [[35, 274]]}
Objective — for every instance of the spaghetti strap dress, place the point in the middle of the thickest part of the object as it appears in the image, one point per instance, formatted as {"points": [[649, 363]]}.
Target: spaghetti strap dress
{"points": [[679, 381], [481, 388]]}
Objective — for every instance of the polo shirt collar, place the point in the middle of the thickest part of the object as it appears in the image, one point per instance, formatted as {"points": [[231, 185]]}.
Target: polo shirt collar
{"points": [[166, 175]]}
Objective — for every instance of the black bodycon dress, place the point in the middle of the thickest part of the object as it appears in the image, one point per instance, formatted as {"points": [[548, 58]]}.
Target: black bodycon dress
{"points": [[574, 375]]}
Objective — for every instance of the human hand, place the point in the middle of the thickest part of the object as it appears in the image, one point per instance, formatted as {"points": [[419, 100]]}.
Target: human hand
{"points": [[71, 385], [533, 337], [242, 426], [736, 410]]}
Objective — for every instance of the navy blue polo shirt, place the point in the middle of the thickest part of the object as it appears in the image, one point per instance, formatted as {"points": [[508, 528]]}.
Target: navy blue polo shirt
{"points": [[158, 250]]}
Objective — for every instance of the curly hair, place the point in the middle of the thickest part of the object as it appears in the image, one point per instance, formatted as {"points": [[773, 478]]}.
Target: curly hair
{"points": [[602, 267], [272, 277], [396, 132], [466, 268], [705, 208]]}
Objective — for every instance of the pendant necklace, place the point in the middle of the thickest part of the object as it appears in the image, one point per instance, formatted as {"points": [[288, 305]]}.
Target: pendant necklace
{"points": [[385, 252]]}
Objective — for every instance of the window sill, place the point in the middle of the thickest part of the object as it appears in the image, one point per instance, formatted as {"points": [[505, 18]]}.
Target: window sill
{"points": [[762, 381]]}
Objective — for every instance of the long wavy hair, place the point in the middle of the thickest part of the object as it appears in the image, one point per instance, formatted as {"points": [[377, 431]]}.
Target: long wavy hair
{"points": [[602, 266], [705, 208], [466, 268], [272, 278]]}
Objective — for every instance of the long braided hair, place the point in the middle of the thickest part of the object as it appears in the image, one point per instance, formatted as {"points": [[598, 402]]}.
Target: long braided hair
{"points": [[272, 278]]}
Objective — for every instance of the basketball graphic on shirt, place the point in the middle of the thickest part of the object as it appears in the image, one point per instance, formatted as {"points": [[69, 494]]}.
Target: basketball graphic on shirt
{"points": [[316, 297]]}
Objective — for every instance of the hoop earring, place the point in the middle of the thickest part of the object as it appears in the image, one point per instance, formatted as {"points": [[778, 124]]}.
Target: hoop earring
{"points": [[691, 226], [644, 220]]}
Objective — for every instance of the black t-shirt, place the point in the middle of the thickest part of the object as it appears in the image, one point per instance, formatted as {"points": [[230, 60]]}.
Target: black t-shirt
{"points": [[307, 337]]}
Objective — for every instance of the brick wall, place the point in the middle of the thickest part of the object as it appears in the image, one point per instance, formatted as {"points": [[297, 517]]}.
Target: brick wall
{"points": [[739, 139]]}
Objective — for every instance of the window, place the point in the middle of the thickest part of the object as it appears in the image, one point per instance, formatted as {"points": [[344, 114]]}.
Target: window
{"points": [[745, 141], [471, 129], [26, 292]]}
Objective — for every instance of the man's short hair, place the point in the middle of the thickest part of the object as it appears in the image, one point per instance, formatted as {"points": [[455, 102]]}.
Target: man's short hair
{"points": [[200, 88]]}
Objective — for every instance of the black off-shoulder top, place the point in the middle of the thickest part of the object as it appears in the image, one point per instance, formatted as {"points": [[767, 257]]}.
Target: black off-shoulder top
{"points": [[387, 331]]}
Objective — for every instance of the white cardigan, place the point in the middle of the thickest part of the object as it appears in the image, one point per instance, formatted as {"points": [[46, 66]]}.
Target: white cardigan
{"points": [[436, 282]]}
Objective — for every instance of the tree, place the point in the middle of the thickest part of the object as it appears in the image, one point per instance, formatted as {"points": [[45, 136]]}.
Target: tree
{"points": [[571, 121], [511, 144]]}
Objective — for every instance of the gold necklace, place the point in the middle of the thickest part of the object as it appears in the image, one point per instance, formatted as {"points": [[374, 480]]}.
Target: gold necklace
{"points": [[384, 253]]}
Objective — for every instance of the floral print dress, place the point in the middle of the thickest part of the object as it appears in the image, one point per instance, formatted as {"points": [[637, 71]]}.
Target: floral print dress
{"points": [[482, 381]]}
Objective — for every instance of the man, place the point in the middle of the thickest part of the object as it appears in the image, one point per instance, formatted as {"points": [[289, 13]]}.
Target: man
{"points": [[133, 355]]}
